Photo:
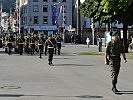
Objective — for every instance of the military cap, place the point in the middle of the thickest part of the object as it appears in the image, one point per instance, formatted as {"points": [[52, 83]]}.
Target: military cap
{"points": [[113, 33]]}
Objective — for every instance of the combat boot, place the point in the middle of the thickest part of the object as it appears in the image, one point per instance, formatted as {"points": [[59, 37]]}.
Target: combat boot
{"points": [[114, 89]]}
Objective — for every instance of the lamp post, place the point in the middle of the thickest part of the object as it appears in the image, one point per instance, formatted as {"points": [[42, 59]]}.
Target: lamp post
{"points": [[93, 30], [19, 15]]}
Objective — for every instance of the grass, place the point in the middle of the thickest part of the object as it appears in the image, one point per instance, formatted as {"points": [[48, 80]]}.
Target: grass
{"points": [[128, 55], [92, 53]]}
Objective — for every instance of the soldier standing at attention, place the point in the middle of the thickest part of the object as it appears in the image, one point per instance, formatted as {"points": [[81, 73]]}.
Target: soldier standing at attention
{"points": [[50, 45], [113, 51]]}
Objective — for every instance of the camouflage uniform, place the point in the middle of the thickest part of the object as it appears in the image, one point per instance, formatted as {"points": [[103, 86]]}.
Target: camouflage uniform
{"points": [[50, 45], [114, 49]]}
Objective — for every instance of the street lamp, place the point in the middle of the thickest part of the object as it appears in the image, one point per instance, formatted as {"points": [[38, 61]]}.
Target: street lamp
{"points": [[93, 30]]}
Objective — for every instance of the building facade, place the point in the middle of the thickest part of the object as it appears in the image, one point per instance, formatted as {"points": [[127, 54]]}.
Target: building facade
{"points": [[44, 16]]}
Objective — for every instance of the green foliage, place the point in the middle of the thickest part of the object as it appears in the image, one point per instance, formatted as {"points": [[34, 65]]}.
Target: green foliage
{"points": [[108, 10]]}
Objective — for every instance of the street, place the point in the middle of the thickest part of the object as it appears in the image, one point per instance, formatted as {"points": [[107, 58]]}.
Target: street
{"points": [[72, 77]]}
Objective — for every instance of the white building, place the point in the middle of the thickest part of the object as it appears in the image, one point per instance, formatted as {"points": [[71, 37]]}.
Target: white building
{"points": [[4, 21], [43, 15]]}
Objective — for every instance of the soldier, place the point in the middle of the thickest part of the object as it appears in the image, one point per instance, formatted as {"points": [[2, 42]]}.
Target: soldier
{"points": [[45, 38], [50, 45], [10, 44], [41, 45], [54, 42], [58, 41], [32, 44], [20, 44], [27, 45], [112, 57]]}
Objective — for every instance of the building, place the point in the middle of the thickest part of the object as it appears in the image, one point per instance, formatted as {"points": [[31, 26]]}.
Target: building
{"points": [[44, 16], [4, 22]]}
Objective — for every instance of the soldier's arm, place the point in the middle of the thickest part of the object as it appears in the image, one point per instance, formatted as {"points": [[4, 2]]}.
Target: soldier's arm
{"points": [[123, 53], [124, 57], [106, 57]]}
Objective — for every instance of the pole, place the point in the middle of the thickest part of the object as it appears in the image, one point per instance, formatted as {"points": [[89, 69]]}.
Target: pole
{"points": [[93, 30], [63, 24], [19, 17]]}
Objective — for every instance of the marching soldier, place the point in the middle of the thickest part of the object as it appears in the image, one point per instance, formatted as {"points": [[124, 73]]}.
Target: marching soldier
{"points": [[58, 42], [27, 45], [50, 45], [20, 44], [41, 45], [112, 57], [45, 38], [10, 44], [32, 44]]}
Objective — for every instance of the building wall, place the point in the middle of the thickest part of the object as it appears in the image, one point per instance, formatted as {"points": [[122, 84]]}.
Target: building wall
{"points": [[27, 14]]}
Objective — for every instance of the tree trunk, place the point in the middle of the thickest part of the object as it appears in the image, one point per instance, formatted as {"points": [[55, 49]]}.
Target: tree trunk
{"points": [[125, 27]]}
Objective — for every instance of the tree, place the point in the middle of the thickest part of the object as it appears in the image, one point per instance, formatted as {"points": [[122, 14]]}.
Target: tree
{"points": [[110, 11]]}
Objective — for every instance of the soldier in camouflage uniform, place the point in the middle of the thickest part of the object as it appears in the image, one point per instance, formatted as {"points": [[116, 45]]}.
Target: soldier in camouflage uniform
{"points": [[20, 44], [113, 51], [41, 42]]}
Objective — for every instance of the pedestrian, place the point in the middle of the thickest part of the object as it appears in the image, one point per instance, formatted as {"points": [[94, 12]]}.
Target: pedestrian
{"points": [[88, 42], [112, 57], [50, 45]]}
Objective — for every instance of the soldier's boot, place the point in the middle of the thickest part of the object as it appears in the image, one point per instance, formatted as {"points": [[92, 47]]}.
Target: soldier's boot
{"points": [[40, 55], [114, 89], [50, 63]]}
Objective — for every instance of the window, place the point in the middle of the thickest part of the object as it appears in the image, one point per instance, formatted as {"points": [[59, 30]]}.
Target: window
{"points": [[45, 8], [54, 0], [45, 0], [45, 20], [35, 19], [35, 8], [35, 0]]}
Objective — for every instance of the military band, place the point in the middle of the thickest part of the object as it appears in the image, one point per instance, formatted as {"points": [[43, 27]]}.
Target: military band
{"points": [[33, 44]]}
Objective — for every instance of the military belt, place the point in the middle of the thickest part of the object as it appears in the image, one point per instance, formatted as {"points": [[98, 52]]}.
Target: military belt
{"points": [[50, 47], [20, 43]]}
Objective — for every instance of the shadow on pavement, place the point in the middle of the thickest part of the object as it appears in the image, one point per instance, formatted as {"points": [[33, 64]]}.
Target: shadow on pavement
{"points": [[11, 95], [71, 65], [20, 95], [124, 92]]}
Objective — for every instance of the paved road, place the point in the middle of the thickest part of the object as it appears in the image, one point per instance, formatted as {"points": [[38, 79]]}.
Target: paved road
{"points": [[73, 77]]}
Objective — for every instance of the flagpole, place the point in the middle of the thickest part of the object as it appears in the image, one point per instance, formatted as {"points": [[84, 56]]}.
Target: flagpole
{"points": [[63, 24]]}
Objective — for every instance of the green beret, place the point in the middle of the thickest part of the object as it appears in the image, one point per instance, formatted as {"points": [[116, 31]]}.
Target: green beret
{"points": [[113, 33]]}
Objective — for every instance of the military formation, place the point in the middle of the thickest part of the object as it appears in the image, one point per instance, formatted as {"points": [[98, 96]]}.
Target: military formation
{"points": [[33, 44]]}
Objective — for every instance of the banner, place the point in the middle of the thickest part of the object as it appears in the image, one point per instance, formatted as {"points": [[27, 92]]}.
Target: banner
{"points": [[54, 18]]}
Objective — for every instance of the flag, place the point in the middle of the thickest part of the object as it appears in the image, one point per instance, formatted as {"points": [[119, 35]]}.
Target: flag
{"points": [[54, 10], [60, 10], [14, 14]]}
